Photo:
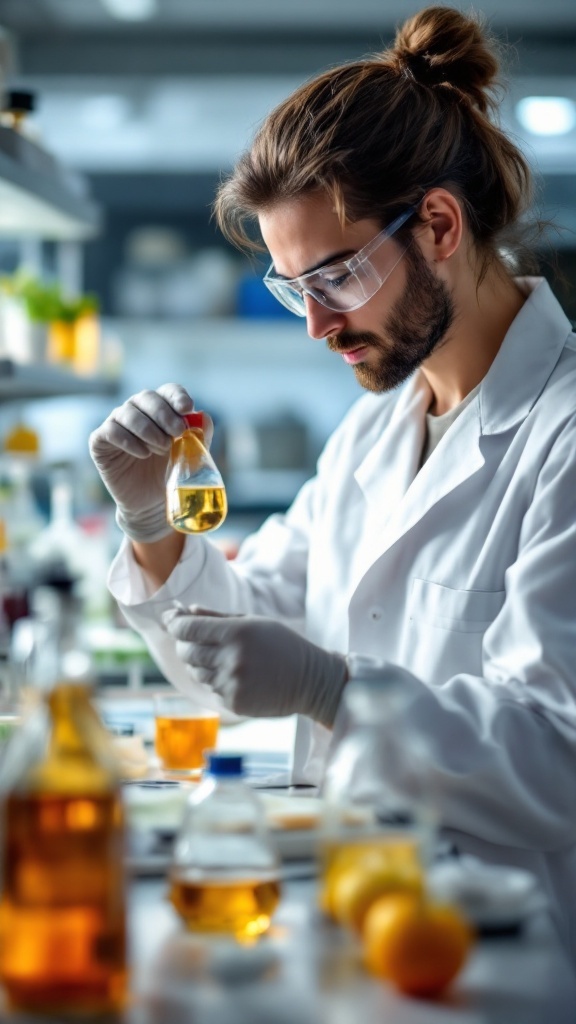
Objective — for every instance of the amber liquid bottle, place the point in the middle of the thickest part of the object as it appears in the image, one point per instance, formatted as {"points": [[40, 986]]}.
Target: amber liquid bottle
{"points": [[224, 876], [195, 493], [62, 906]]}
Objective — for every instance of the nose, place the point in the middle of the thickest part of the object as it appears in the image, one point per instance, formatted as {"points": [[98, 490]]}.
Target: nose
{"points": [[320, 321]]}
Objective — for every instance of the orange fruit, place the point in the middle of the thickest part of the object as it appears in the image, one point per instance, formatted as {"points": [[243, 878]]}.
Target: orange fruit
{"points": [[357, 887], [355, 873], [418, 946]]}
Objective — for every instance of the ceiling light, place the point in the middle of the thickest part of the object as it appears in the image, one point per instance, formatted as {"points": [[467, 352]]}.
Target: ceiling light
{"points": [[546, 115], [131, 10]]}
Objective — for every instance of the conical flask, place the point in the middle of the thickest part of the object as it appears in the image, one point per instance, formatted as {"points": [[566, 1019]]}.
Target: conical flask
{"points": [[195, 493]]}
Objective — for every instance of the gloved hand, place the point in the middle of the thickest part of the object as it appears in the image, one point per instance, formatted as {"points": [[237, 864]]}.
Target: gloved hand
{"points": [[131, 451], [258, 666]]}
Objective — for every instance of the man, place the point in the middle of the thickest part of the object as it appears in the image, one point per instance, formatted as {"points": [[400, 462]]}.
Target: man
{"points": [[437, 543]]}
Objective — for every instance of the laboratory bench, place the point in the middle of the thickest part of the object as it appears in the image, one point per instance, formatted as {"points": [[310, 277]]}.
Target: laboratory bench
{"points": [[307, 970]]}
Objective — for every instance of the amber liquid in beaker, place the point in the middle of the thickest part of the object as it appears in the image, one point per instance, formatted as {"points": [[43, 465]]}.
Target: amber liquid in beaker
{"points": [[180, 742], [239, 906], [62, 913], [197, 509]]}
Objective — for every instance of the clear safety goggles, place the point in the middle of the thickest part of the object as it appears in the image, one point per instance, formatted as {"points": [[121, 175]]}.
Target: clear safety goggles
{"points": [[341, 286]]}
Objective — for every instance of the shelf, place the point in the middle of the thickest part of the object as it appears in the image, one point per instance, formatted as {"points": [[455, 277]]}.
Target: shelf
{"points": [[20, 381], [39, 197]]}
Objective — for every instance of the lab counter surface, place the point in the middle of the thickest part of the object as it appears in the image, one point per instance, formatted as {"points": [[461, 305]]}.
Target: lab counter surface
{"points": [[306, 971]]}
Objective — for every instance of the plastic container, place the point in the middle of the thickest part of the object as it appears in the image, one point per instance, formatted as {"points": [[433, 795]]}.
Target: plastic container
{"points": [[224, 876], [195, 493], [370, 827], [62, 906]]}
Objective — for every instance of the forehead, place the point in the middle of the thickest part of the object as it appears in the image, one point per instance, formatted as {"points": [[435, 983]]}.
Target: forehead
{"points": [[306, 232]]}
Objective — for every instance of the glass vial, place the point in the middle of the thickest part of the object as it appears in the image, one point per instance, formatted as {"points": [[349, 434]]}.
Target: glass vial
{"points": [[62, 902], [224, 876], [195, 493]]}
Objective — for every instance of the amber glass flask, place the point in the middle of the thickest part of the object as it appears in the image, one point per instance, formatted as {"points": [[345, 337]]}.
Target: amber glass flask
{"points": [[62, 908], [195, 493]]}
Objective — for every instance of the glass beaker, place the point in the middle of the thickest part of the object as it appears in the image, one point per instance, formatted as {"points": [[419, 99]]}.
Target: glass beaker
{"points": [[183, 732], [195, 493], [378, 822]]}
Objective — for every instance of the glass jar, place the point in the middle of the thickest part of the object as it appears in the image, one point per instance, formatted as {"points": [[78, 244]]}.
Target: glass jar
{"points": [[224, 876], [195, 493], [378, 822]]}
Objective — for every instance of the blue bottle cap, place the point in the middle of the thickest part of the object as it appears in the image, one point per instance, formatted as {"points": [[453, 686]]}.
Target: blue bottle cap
{"points": [[224, 765]]}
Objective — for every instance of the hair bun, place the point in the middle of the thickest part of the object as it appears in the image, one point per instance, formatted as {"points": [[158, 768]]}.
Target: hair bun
{"points": [[422, 70], [442, 46]]}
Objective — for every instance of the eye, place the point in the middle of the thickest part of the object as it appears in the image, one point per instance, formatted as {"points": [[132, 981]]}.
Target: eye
{"points": [[335, 278], [330, 280]]}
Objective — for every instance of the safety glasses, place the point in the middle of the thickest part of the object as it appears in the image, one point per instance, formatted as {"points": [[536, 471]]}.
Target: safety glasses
{"points": [[342, 286]]}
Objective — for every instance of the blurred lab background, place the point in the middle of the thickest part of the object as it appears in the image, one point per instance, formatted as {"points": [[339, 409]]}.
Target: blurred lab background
{"points": [[118, 119]]}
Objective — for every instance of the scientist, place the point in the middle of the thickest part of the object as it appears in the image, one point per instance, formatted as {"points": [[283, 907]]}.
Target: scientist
{"points": [[437, 541]]}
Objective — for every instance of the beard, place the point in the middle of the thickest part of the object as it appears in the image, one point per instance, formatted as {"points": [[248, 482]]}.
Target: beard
{"points": [[416, 325]]}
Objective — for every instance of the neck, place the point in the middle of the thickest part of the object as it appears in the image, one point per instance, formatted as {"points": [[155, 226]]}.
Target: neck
{"points": [[484, 313]]}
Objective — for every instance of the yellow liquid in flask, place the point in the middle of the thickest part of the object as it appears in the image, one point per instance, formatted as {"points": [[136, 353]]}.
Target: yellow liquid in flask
{"points": [[197, 509]]}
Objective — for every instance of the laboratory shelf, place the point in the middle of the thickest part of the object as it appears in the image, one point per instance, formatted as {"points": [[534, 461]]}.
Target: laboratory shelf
{"points": [[39, 197], [23, 381]]}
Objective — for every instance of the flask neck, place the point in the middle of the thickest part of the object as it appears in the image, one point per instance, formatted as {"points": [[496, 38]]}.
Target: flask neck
{"points": [[59, 652], [68, 702]]}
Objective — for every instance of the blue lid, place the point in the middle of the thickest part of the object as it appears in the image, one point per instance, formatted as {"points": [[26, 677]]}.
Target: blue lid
{"points": [[222, 765]]}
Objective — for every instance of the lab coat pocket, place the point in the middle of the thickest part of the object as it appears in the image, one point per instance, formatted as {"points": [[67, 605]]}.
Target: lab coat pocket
{"points": [[446, 629], [465, 611]]}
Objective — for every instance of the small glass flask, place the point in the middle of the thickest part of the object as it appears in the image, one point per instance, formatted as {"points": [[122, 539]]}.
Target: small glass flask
{"points": [[378, 822], [224, 876], [195, 492]]}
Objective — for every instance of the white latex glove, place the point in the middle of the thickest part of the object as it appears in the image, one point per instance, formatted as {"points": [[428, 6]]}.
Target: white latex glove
{"points": [[258, 666], [131, 451]]}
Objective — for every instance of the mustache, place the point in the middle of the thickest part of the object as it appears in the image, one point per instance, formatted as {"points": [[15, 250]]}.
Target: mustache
{"points": [[349, 340]]}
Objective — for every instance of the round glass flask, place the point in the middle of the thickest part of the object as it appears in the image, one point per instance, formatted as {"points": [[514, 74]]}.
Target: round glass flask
{"points": [[224, 876], [195, 493]]}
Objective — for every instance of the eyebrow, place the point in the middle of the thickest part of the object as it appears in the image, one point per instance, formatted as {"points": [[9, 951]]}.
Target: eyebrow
{"points": [[337, 257]]}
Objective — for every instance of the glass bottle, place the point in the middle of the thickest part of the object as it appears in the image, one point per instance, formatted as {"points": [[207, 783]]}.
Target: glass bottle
{"points": [[378, 820], [224, 876], [195, 493], [62, 903], [18, 105]]}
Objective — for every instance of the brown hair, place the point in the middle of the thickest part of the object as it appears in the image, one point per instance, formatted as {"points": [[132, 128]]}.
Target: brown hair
{"points": [[375, 134]]}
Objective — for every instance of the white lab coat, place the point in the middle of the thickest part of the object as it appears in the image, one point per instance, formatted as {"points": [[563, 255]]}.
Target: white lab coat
{"points": [[461, 573]]}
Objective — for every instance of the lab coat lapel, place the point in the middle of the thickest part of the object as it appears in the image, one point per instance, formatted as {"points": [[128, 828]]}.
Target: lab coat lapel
{"points": [[397, 492], [398, 495], [456, 458], [390, 466]]}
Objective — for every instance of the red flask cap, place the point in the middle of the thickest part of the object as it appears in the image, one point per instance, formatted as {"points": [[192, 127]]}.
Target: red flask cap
{"points": [[194, 419]]}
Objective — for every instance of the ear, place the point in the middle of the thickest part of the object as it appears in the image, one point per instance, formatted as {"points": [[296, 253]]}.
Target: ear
{"points": [[441, 225]]}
